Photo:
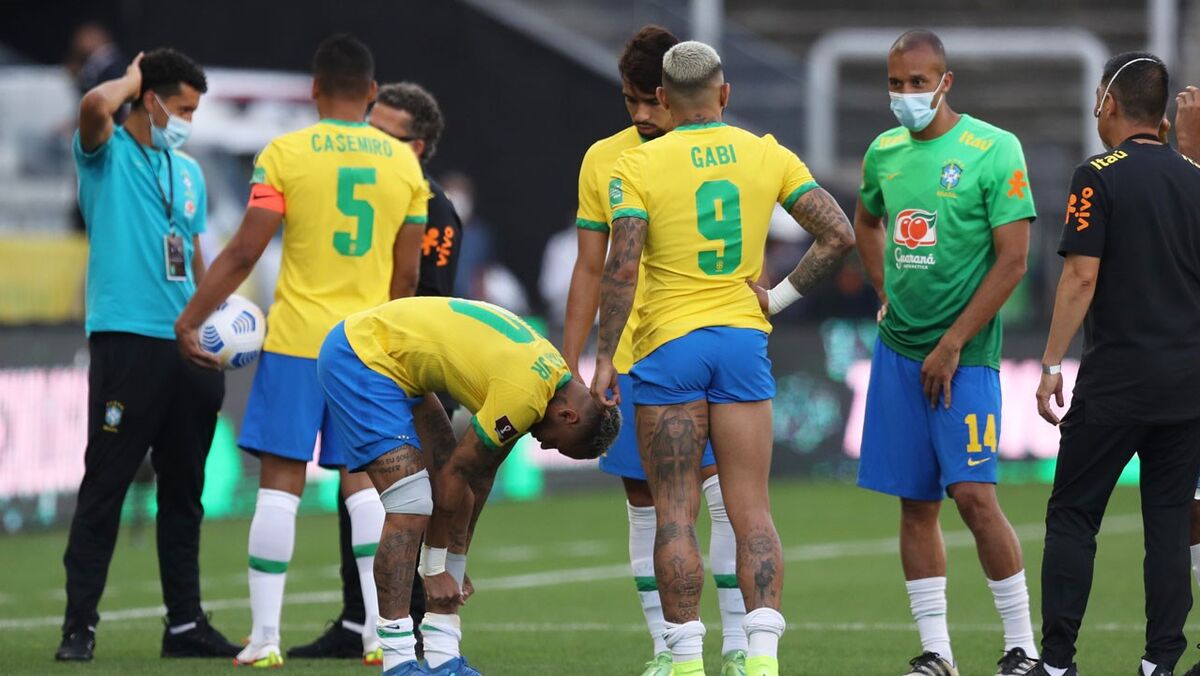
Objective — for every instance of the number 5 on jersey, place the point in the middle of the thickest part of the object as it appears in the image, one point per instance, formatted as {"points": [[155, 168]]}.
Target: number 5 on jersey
{"points": [[358, 242]]}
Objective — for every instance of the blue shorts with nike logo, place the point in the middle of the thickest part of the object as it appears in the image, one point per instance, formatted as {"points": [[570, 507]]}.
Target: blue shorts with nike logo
{"points": [[913, 451]]}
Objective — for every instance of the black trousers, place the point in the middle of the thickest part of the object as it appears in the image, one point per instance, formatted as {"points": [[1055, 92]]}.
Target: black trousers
{"points": [[1090, 459], [142, 395]]}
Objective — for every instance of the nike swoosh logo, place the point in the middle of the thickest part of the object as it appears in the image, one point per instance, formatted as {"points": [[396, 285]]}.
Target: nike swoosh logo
{"points": [[972, 463], [891, 176]]}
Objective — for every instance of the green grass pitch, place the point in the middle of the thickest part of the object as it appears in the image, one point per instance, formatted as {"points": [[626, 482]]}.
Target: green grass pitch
{"points": [[555, 596]]}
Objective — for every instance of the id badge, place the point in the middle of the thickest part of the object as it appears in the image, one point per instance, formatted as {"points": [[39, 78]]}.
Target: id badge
{"points": [[173, 254]]}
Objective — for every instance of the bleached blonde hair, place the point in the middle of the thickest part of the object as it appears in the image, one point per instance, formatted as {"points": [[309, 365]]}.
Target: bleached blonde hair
{"points": [[690, 66]]}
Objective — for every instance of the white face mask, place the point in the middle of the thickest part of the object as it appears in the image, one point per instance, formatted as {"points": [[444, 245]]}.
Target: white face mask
{"points": [[172, 136], [916, 111]]}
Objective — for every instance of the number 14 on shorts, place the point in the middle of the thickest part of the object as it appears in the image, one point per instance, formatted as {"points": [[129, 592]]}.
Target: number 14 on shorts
{"points": [[989, 438]]}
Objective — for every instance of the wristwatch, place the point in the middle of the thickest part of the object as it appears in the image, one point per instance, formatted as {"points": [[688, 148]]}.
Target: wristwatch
{"points": [[1052, 370]]}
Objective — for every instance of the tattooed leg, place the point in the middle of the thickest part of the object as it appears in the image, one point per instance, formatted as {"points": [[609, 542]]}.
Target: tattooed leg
{"points": [[742, 439], [400, 542], [671, 440]]}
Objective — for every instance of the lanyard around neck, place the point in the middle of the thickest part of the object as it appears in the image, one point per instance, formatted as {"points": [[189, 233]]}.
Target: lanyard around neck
{"points": [[168, 196]]}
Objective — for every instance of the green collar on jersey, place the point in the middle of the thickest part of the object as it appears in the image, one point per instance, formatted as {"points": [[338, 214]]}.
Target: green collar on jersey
{"points": [[342, 123], [702, 125]]}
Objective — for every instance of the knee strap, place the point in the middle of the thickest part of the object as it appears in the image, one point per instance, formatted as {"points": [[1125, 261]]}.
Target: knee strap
{"points": [[410, 495]]}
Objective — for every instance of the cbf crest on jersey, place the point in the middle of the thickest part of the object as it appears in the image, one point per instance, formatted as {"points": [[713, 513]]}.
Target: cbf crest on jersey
{"points": [[951, 174], [113, 412]]}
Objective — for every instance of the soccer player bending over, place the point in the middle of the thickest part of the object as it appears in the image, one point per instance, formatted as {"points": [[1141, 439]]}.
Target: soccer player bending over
{"points": [[376, 369], [955, 195], [693, 209], [641, 76]]}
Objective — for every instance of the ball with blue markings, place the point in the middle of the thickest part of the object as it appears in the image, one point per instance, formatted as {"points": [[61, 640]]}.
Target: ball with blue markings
{"points": [[234, 333]]}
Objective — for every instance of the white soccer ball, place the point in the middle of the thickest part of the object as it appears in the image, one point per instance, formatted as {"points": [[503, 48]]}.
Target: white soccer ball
{"points": [[234, 333]]}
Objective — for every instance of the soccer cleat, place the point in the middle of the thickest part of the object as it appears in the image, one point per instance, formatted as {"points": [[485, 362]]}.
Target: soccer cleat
{"points": [[1040, 670], [337, 642], [455, 667], [202, 640], [409, 668], [1015, 662], [734, 663], [659, 666], [263, 655], [77, 646], [930, 664], [762, 665], [373, 654], [1158, 671], [689, 668]]}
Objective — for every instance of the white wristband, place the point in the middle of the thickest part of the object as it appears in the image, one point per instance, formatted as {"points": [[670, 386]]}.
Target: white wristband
{"points": [[456, 565], [433, 561], [783, 295]]}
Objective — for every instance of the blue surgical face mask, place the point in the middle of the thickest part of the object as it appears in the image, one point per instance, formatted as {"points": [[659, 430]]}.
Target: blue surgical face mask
{"points": [[916, 111], [172, 136]]}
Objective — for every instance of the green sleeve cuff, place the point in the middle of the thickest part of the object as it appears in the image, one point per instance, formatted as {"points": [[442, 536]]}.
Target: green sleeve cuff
{"points": [[487, 441], [596, 226], [416, 220], [797, 194], [631, 213]]}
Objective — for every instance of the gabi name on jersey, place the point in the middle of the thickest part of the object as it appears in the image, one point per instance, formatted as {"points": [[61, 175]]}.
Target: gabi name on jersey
{"points": [[347, 143]]}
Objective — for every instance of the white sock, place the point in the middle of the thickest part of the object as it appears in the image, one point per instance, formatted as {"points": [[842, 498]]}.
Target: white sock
{"points": [[399, 644], [642, 524], [456, 565], [686, 641], [927, 598], [366, 524], [764, 626], [1012, 602], [1148, 668], [1053, 671], [441, 634], [272, 538], [1196, 562], [722, 556]]}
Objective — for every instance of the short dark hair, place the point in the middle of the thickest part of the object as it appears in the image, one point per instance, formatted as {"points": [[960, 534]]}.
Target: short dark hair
{"points": [[920, 37], [343, 66], [165, 70], [1142, 89], [602, 430], [427, 123], [641, 62]]}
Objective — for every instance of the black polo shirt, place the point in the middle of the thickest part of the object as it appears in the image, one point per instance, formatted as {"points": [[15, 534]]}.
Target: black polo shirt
{"points": [[440, 248], [1137, 209]]}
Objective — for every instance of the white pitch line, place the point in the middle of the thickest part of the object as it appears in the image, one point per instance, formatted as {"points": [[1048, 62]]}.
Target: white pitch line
{"points": [[1118, 524]]}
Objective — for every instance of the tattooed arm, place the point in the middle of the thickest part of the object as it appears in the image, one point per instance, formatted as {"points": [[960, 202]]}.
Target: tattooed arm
{"points": [[818, 213], [617, 288]]}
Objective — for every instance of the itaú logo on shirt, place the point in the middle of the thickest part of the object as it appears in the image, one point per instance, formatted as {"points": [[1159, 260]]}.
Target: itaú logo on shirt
{"points": [[915, 228]]}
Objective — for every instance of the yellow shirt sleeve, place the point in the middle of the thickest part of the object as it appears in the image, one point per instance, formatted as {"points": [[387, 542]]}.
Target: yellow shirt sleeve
{"points": [[268, 167], [624, 192], [506, 414], [418, 205], [797, 179], [591, 215]]}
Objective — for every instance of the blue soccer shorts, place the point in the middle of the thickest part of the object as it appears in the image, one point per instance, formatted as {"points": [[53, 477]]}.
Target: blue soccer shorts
{"points": [[285, 411], [913, 451], [720, 364], [372, 414], [622, 458]]}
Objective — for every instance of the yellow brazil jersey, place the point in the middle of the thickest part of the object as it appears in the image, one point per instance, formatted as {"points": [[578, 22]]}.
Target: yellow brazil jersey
{"points": [[486, 357], [345, 189], [594, 214], [707, 192]]}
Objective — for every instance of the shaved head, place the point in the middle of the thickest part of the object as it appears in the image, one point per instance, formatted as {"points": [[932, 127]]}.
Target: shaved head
{"points": [[690, 68], [920, 39]]}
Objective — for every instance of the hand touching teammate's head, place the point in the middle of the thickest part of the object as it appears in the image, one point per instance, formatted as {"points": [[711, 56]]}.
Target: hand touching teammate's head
{"points": [[693, 82], [641, 68], [343, 69], [576, 425]]}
